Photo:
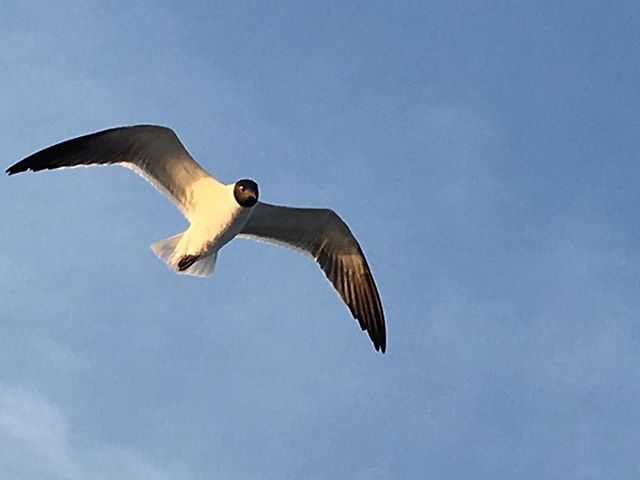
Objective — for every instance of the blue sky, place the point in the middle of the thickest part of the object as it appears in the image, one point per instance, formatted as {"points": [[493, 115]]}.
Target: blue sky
{"points": [[485, 155]]}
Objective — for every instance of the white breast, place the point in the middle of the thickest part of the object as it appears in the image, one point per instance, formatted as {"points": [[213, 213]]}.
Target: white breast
{"points": [[216, 218]]}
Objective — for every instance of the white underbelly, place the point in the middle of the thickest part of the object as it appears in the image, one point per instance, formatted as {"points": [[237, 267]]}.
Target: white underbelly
{"points": [[207, 235]]}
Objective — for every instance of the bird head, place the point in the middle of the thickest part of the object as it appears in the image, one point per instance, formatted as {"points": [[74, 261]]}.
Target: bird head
{"points": [[246, 193]]}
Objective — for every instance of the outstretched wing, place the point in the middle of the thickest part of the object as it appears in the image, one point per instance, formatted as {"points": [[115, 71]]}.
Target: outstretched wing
{"points": [[153, 152], [322, 234]]}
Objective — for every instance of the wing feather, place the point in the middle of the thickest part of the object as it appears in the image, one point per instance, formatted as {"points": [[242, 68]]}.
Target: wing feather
{"points": [[153, 152], [323, 235]]}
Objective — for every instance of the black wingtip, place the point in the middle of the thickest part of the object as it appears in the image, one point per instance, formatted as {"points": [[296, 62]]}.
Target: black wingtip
{"points": [[16, 168], [377, 333]]}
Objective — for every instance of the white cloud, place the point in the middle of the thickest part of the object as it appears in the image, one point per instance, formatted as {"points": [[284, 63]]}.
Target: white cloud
{"points": [[33, 435], [35, 443]]}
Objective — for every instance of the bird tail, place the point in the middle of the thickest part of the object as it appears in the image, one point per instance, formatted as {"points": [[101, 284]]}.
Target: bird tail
{"points": [[166, 250]]}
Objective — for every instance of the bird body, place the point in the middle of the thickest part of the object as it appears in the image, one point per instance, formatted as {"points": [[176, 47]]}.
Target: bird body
{"points": [[215, 219], [218, 213]]}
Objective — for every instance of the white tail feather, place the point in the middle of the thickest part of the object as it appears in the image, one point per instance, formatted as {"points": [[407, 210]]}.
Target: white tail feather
{"points": [[166, 251]]}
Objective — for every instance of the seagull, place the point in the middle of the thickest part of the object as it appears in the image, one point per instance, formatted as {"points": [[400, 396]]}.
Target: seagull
{"points": [[218, 213]]}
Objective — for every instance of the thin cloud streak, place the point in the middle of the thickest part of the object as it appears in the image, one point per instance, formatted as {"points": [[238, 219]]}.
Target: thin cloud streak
{"points": [[35, 438]]}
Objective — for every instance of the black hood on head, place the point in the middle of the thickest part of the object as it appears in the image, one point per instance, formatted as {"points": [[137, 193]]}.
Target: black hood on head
{"points": [[246, 193]]}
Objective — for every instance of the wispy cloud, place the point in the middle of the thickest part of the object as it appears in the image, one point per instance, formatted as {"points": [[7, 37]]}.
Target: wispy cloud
{"points": [[34, 435], [35, 443]]}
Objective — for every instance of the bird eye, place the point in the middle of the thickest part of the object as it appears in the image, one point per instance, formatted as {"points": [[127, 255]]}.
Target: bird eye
{"points": [[241, 188]]}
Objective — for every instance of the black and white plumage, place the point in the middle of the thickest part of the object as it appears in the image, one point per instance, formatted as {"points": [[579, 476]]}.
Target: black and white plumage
{"points": [[219, 212]]}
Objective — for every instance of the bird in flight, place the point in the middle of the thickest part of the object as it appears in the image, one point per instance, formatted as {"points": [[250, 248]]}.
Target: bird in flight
{"points": [[219, 212]]}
